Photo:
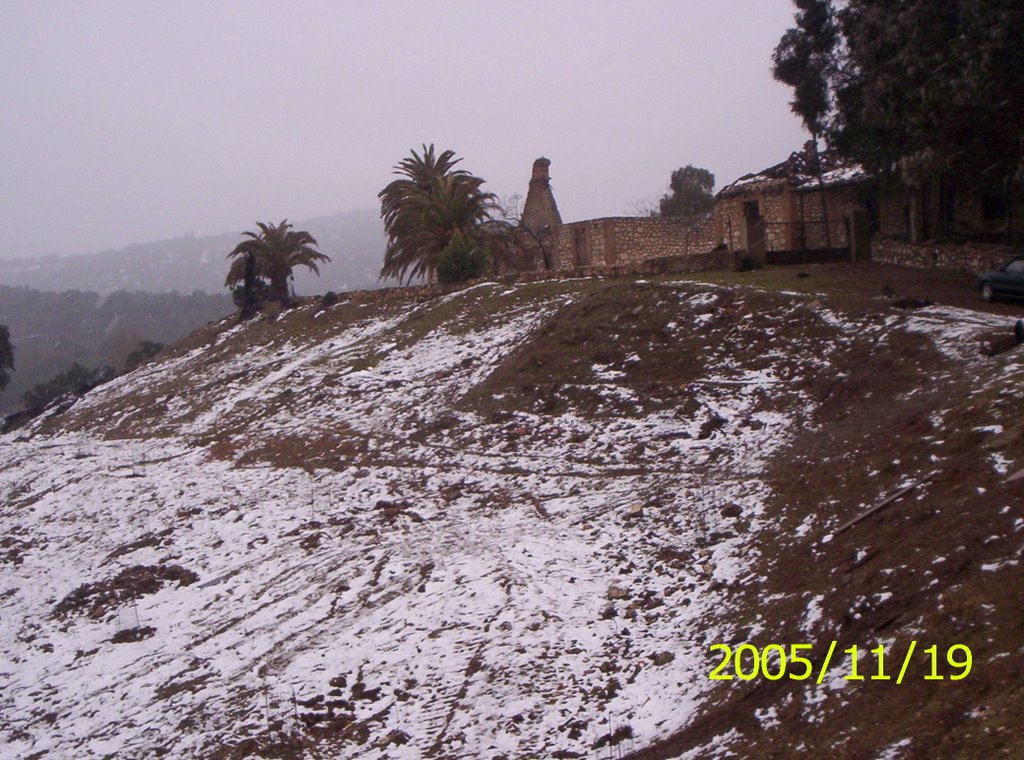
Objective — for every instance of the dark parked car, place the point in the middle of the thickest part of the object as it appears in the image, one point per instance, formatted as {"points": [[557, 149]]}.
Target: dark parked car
{"points": [[1008, 281]]}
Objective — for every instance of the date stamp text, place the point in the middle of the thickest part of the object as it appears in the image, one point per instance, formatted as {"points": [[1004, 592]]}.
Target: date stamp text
{"points": [[794, 661]]}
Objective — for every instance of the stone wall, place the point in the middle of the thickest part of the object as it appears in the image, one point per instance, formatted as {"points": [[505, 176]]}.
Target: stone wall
{"points": [[793, 219], [968, 214], [691, 262], [777, 216], [894, 212], [968, 257], [840, 202], [627, 241], [729, 226]]}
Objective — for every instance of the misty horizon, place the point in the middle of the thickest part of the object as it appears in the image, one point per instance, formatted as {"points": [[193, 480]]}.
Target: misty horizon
{"points": [[193, 235], [126, 124]]}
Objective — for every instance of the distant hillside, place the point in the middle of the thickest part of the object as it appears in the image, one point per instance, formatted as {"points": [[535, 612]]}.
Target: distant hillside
{"points": [[354, 240], [50, 331]]}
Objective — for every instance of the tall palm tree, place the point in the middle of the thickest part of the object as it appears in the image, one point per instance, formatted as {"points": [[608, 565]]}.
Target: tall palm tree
{"points": [[276, 250], [432, 207]]}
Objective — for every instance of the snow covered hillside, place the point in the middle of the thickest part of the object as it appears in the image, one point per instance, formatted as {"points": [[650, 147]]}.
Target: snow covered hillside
{"points": [[503, 523]]}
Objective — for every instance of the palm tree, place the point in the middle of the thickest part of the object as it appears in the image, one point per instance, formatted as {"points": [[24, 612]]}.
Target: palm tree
{"points": [[276, 249], [432, 208]]}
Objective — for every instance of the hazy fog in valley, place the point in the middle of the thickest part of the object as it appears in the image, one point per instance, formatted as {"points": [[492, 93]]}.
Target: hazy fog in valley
{"points": [[126, 123]]}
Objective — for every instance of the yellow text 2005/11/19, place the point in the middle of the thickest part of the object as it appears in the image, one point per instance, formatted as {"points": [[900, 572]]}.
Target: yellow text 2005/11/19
{"points": [[797, 662]]}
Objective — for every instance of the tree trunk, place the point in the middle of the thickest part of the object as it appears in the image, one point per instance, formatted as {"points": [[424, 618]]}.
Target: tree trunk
{"points": [[1010, 199], [279, 290], [548, 263], [934, 215], [917, 227], [821, 188], [249, 297]]}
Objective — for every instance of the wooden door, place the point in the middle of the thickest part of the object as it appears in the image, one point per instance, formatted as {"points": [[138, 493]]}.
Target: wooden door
{"points": [[755, 229]]}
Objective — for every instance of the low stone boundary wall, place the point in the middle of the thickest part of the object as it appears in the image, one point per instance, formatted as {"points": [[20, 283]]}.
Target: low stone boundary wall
{"points": [[968, 257], [629, 240], [695, 262]]}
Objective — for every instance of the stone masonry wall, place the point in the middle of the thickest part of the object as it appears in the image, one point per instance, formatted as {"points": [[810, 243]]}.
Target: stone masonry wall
{"points": [[729, 225], [772, 205], [628, 241], [839, 201], [773, 209], [894, 212], [968, 214], [782, 211], [968, 257]]}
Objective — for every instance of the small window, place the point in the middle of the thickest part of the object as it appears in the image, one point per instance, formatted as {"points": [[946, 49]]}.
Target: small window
{"points": [[752, 210]]}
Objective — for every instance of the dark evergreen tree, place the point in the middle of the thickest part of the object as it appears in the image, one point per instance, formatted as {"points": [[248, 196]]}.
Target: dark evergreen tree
{"points": [[925, 86], [75, 379], [147, 349], [462, 260], [804, 59], [6, 356], [692, 193]]}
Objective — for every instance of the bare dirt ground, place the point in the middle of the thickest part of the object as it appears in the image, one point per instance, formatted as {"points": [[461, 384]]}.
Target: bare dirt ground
{"points": [[854, 283], [940, 566]]}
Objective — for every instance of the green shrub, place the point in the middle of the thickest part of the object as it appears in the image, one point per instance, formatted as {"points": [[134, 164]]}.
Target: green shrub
{"points": [[75, 379], [147, 349], [261, 294], [461, 260]]}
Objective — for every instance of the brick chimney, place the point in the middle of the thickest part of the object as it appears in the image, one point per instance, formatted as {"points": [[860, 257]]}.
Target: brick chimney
{"points": [[540, 210], [540, 171]]}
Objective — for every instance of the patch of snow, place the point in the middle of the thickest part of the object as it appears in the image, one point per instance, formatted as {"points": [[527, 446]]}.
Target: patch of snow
{"points": [[768, 717], [894, 751], [1000, 463], [812, 614], [804, 527], [954, 331], [994, 566], [996, 429]]}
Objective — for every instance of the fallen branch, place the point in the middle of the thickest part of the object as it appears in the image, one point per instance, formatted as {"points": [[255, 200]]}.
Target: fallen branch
{"points": [[882, 505]]}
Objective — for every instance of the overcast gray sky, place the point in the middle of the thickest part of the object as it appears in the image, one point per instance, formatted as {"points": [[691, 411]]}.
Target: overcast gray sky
{"points": [[126, 122]]}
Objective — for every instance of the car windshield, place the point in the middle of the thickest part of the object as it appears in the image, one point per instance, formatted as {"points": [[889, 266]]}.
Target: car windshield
{"points": [[1016, 266]]}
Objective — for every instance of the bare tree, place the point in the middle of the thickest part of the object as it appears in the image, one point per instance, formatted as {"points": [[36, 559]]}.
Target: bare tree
{"points": [[512, 212]]}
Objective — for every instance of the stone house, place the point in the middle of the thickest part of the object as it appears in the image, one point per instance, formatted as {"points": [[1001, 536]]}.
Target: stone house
{"points": [[787, 213], [777, 216]]}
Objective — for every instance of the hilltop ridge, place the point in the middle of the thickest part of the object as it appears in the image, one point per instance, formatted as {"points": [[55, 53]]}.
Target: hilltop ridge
{"points": [[353, 239]]}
